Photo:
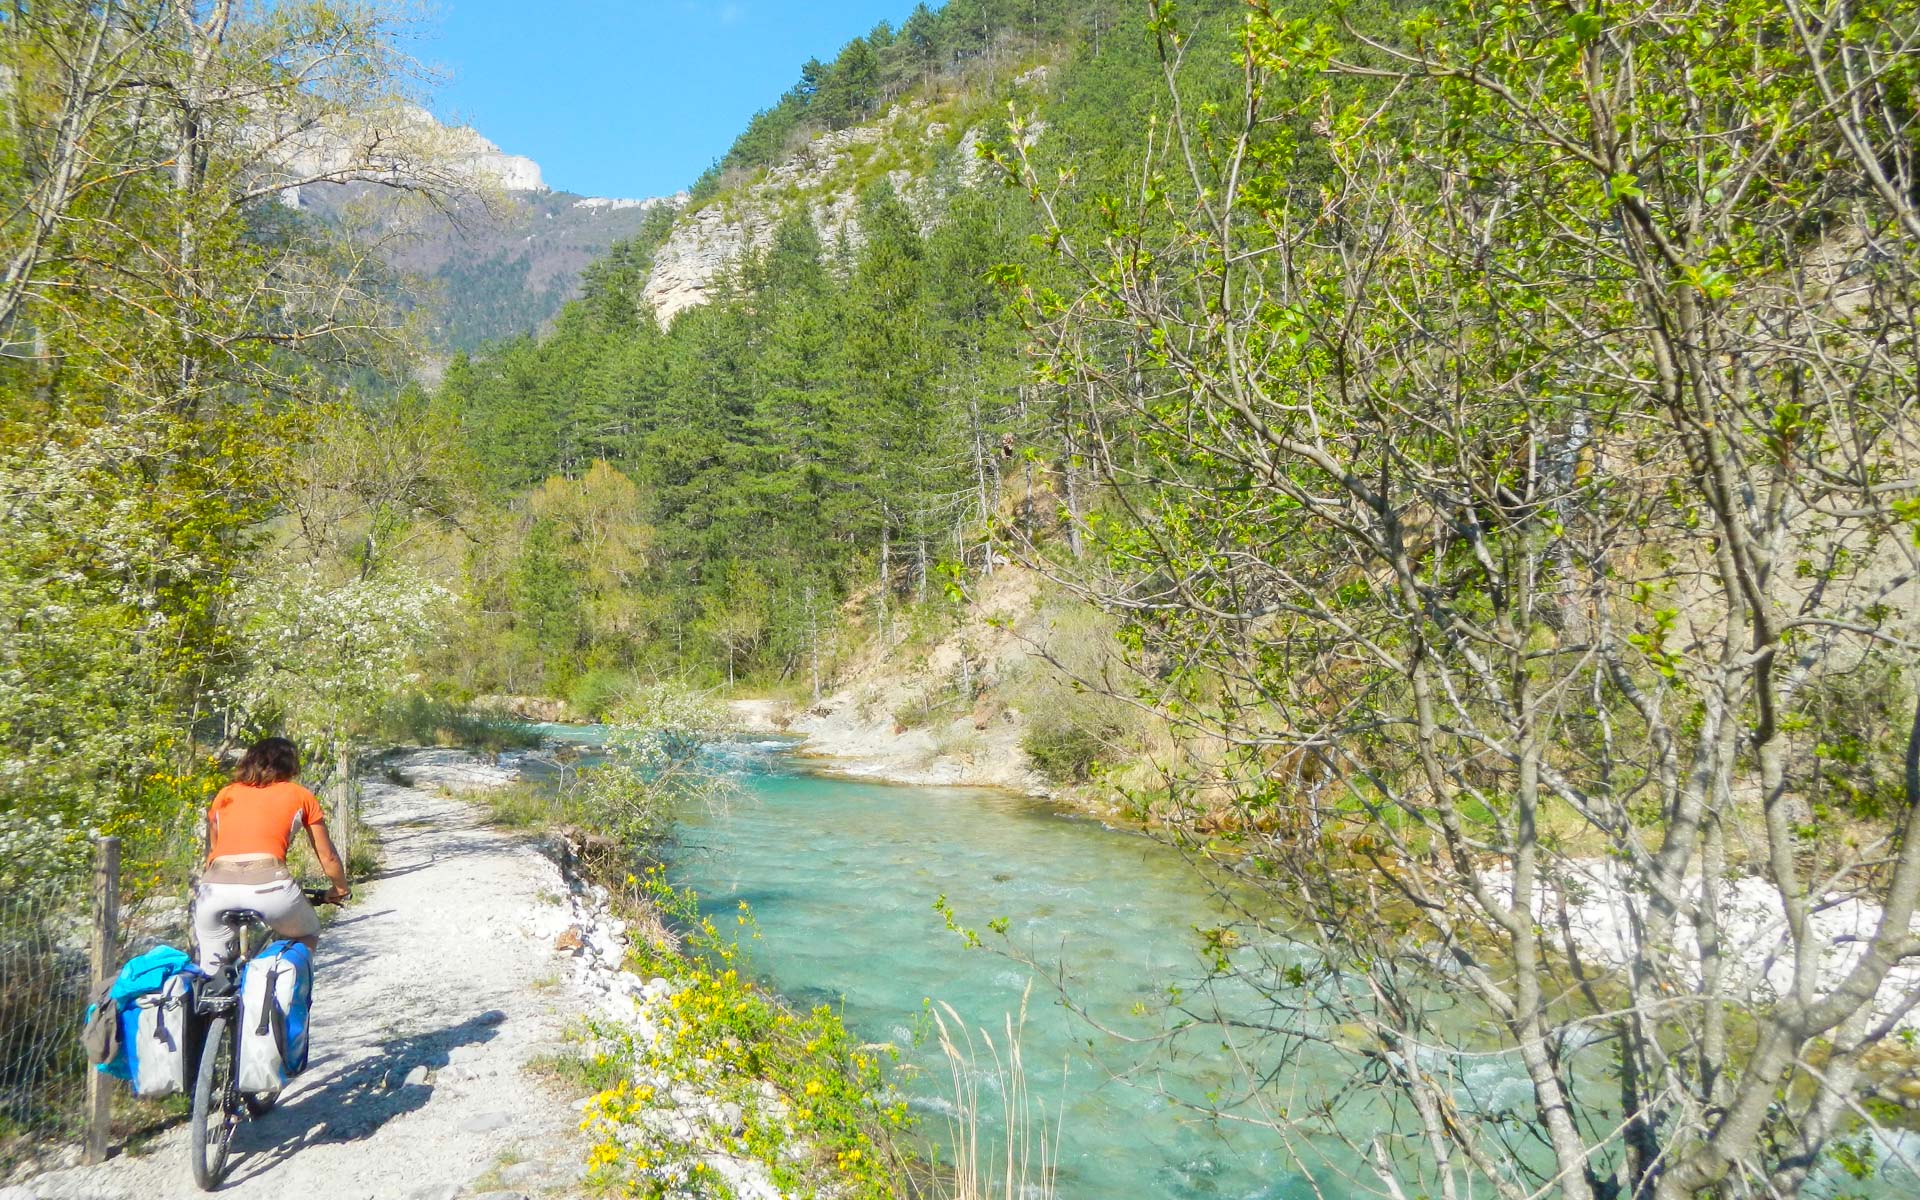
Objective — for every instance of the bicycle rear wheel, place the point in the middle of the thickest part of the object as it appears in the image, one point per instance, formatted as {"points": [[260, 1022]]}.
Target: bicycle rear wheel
{"points": [[216, 1105]]}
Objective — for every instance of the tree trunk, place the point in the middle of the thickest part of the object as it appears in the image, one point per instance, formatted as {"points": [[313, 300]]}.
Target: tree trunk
{"points": [[982, 461], [51, 193], [886, 570], [1072, 472], [203, 44], [813, 645]]}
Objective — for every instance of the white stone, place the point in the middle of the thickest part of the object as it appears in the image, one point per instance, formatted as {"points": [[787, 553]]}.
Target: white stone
{"points": [[745, 1178]]}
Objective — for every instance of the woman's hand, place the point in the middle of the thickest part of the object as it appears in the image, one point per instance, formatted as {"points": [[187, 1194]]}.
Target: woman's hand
{"points": [[330, 863], [337, 895]]}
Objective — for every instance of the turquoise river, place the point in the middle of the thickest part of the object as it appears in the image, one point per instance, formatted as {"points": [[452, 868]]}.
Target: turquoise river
{"points": [[842, 878]]}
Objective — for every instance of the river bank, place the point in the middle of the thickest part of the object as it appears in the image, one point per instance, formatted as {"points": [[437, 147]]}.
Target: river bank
{"points": [[838, 739], [705, 1082], [955, 703]]}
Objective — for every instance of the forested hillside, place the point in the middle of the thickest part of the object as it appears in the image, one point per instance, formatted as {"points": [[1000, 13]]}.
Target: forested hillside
{"points": [[844, 422]]}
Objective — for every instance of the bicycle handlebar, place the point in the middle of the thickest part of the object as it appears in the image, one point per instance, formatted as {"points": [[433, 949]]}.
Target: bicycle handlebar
{"points": [[318, 895]]}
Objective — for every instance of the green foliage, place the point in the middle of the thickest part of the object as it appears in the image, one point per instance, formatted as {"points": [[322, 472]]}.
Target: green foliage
{"points": [[546, 604], [831, 1125], [1064, 751], [173, 331], [1857, 757], [533, 806], [176, 339], [578, 1071], [485, 300], [597, 692], [1510, 521], [652, 771], [421, 718], [703, 499], [840, 420], [323, 657]]}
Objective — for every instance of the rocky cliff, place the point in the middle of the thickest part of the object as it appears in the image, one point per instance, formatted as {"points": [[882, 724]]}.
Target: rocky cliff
{"points": [[925, 150], [407, 134]]}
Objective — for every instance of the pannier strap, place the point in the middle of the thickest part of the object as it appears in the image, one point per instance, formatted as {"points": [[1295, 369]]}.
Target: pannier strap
{"points": [[272, 1004]]}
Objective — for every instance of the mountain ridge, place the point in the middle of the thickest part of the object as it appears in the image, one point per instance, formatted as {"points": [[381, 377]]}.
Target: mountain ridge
{"points": [[498, 259]]}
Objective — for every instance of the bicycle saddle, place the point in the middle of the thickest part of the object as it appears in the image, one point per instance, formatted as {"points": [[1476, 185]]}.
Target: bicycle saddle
{"points": [[240, 918]]}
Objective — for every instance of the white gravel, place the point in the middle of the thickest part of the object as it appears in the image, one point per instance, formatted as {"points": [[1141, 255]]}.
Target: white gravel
{"points": [[433, 990], [1758, 954]]}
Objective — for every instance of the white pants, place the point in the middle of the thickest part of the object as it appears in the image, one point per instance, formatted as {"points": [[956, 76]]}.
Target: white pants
{"points": [[280, 901]]}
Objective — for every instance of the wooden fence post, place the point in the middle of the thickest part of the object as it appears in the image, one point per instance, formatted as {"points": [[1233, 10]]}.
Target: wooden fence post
{"points": [[102, 958], [342, 817]]}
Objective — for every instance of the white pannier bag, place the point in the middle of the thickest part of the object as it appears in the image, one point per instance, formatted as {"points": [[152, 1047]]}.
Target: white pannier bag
{"points": [[159, 1053], [276, 994]]}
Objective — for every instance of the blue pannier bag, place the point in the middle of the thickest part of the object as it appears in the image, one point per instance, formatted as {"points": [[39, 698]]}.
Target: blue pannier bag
{"points": [[276, 998], [144, 977]]}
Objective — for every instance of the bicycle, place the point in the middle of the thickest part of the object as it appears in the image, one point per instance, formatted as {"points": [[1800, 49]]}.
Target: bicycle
{"points": [[218, 1104]]}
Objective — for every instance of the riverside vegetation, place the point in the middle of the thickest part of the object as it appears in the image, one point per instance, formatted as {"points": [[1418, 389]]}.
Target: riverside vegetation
{"points": [[714, 1070], [1486, 433]]}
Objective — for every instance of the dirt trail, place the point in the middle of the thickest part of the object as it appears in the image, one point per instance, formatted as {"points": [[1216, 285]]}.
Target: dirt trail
{"points": [[432, 992]]}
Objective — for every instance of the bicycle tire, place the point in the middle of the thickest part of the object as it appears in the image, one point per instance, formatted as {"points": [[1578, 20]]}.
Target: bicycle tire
{"points": [[216, 1105]]}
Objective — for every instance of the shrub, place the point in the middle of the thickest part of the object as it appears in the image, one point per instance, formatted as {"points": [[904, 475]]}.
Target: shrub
{"points": [[1063, 751], [919, 709], [653, 769], [1857, 755], [598, 692], [816, 1104], [527, 805], [428, 720]]}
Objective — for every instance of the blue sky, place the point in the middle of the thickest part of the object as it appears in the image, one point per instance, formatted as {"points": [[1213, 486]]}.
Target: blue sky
{"points": [[627, 98]]}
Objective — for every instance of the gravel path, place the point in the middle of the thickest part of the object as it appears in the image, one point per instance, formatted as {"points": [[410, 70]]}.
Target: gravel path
{"points": [[432, 992]]}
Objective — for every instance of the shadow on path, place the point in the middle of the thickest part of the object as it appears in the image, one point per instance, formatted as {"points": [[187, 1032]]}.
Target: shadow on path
{"points": [[354, 1103]]}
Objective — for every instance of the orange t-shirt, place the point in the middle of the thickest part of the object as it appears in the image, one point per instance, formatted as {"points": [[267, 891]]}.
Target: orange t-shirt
{"points": [[259, 820]]}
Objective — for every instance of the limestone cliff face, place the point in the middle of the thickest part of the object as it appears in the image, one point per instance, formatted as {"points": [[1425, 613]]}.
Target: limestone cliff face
{"points": [[403, 142], [924, 160]]}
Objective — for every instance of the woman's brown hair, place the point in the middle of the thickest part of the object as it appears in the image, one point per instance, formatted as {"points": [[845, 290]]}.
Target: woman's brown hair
{"points": [[269, 760]]}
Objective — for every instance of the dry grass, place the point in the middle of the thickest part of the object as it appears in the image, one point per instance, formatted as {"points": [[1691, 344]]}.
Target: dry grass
{"points": [[1023, 1166]]}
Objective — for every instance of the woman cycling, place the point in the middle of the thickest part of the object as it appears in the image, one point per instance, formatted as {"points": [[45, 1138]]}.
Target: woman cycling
{"points": [[249, 826]]}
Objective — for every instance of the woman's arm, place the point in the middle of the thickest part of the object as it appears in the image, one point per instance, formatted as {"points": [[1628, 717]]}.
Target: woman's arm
{"points": [[329, 862], [213, 825]]}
